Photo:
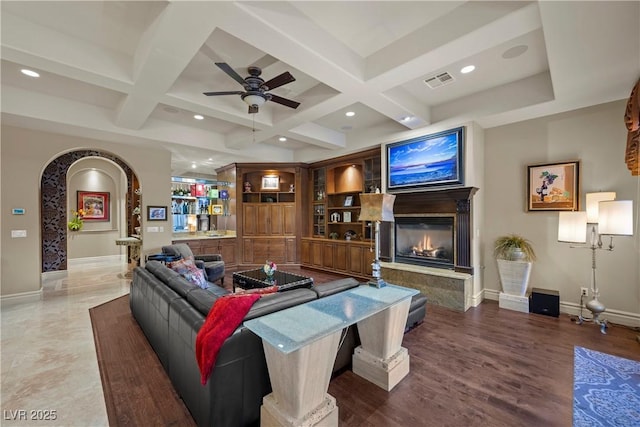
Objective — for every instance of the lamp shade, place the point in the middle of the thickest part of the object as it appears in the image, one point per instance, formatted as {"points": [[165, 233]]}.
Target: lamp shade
{"points": [[616, 217], [593, 200], [376, 207], [254, 100], [572, 227]]}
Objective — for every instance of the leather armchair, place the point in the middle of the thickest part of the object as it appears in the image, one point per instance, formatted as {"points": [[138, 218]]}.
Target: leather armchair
{"points": [[212, 264]]}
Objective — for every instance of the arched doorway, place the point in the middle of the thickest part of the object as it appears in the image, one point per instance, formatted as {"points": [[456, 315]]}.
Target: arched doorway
{"points": [[53, 205]]}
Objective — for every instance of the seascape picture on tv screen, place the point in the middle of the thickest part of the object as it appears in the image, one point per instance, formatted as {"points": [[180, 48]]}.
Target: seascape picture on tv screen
{"points": [[426, 161]]}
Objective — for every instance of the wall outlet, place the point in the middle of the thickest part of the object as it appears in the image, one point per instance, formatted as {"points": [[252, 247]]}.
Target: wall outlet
{"points": [[584, 292]]}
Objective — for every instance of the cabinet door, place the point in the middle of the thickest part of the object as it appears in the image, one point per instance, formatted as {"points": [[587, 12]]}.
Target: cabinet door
{"points": [[228, 251], [273, 219], [261, 251], [210, 247], [247, 251], [291, 253], [289, 220], [356, 259], [328, 250], [277, 251], [340, 256], [250, 215], [305, 252], [316, 254]]}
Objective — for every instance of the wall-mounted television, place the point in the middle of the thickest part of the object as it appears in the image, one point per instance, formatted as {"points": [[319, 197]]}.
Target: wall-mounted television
{"points": [[427, 161]]}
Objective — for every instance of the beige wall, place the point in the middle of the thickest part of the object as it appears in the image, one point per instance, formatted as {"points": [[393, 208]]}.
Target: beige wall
{"points": [[597, 137], [24, 155], [96, 237]]}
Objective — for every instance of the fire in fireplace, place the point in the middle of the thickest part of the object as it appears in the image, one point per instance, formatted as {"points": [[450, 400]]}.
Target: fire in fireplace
{"points": [[425, 240]]}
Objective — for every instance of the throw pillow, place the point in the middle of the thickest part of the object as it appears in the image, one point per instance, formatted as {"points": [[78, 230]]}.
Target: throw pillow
{"points": [[187, 269]]}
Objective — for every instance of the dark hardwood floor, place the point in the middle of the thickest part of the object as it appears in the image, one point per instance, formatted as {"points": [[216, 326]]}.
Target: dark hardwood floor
{"points": [[485, 367]]}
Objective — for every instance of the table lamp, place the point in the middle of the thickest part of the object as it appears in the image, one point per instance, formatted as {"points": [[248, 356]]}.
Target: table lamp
{"points": [[376, 207], [606, 216]]}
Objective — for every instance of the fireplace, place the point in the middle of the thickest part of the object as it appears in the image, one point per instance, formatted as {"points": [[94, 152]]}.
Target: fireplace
{"points": [[452, 205], [425, 240]]}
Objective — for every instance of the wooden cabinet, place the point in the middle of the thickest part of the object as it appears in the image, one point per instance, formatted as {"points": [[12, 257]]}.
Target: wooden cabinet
{"points": [[225, 247], [269, 219], [268, 211], [345, 257], [334, 207], [258, 250]]}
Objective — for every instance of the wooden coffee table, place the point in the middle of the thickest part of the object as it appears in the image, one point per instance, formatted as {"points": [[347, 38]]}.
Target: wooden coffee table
{"points": [[251, 279]]}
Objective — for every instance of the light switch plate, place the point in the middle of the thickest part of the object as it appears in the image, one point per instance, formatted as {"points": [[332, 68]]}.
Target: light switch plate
{"points": [[18, 233]]}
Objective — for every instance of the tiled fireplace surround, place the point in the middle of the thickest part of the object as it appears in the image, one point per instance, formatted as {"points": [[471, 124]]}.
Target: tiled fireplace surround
{"points": [[445, 287]]}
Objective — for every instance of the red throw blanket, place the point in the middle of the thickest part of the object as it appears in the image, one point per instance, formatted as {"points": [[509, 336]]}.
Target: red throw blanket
{"points": [[223, 318]]}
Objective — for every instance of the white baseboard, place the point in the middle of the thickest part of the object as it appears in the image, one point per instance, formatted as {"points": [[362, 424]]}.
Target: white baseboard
{"points": [[54, 275], [573, 309], [22, 297]]}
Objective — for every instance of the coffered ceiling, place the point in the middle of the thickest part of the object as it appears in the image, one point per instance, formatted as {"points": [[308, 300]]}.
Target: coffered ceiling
{"points": [[135, 72]]}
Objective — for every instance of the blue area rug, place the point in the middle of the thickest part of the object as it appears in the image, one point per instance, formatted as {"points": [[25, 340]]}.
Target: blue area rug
{"points": [[606, 390]]}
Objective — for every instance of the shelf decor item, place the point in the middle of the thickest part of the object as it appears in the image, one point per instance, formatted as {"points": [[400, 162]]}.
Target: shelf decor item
{"points": [[376, 208], [553, 187], [270, 269], [76, 222], [95, 205], [270, 182]]}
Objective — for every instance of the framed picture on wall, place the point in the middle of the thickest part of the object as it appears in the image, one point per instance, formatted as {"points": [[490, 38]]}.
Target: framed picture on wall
{"points": [[270, 182], [95, 205], [156, 213], [553, 186]]}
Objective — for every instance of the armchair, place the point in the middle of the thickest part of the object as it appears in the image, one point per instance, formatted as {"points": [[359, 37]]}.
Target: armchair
{"points": [[212, 264]]}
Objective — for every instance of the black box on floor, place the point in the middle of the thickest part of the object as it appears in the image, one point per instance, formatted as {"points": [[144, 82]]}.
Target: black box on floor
{"points": [[544, 301]]}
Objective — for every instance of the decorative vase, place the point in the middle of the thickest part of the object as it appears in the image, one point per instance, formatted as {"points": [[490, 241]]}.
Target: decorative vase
{"points": [[514, 276]]}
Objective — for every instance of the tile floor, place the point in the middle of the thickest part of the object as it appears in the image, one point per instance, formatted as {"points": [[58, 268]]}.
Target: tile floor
{"points": [[48, 358]]}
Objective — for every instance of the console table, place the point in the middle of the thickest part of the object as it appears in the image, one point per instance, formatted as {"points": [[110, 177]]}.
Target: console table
{"points": [[134, 243], [300, 344]]}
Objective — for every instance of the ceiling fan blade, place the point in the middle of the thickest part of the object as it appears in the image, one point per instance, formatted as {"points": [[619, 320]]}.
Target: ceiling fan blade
{"points": [[280, 80], [253, 109], [236, 92], [284, 101], [231, 72]]}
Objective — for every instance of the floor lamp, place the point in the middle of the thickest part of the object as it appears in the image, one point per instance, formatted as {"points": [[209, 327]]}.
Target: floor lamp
{"points": [[376, 207], [605, 216]]}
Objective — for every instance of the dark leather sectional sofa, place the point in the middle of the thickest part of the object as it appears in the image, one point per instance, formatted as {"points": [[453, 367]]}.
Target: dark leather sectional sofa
{"points": [[170, 311]]}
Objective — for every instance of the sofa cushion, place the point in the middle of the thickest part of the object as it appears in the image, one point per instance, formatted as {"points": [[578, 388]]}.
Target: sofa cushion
{"points": [[335, 286], [161, 272], [271, 303], [187, 269]]}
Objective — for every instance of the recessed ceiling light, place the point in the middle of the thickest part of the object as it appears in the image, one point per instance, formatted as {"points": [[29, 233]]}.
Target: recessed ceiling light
{"points": [[193, 165], [467, 69], [198, 117], [210, 159], [282, 139], [406, 118], [349, 114], [29, 73]]}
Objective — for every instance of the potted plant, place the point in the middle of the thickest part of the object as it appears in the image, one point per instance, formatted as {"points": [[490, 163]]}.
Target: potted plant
{"points": [[513, 247], [515, 256]]}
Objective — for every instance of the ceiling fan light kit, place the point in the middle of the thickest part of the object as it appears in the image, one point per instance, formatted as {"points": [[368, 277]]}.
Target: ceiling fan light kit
{"points": [[255, 94]]}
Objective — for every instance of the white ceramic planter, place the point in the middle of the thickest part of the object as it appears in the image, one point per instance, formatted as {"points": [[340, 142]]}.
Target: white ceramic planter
{"points": [[514, 276]]}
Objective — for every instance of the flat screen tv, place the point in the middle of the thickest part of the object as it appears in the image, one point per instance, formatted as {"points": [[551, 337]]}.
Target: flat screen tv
{"points": [[427, 161]]}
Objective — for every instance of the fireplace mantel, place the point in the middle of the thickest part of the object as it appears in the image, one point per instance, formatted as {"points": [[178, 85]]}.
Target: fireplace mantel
{"points": [[452, 200]]}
